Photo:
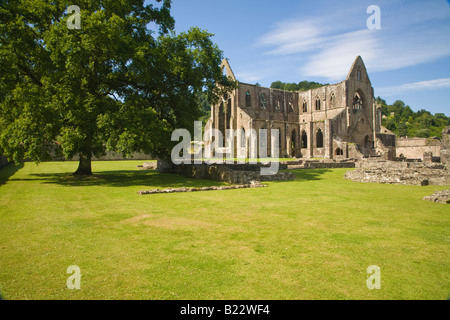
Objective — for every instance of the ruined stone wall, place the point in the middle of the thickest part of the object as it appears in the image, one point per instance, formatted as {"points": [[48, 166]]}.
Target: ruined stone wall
{"points": [[328, 165], [255, 184], [414, 148], [385, 146], [340, 125], [268, 104], [323, 114], [319, 164], [396, 172], [332, 100], [388, 140], [354, 151], [445, 146], [233, 174]]}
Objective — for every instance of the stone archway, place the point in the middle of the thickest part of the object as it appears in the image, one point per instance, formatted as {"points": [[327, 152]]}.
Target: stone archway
{"points": [[304, 142], [319, 139], [293, 142]]}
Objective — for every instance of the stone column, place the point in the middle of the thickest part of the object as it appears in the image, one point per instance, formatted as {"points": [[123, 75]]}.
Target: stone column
{"points": [[374, 121], [328, 140], [311, 140], [287, 139]]}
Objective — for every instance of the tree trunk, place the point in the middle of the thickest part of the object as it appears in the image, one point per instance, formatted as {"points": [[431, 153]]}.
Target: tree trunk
{"points": [[84, 165]]}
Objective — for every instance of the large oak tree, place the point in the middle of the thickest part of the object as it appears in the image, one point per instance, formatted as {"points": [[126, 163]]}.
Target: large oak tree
{"points": [[113, 84]]}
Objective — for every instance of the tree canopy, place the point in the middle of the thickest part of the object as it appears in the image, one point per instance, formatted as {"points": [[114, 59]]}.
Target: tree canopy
{"points": [[301, 86], [403, 121], [112, 84]]}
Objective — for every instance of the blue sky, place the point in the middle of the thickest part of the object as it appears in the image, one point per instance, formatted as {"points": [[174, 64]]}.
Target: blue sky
{"points": [[293, 40]]}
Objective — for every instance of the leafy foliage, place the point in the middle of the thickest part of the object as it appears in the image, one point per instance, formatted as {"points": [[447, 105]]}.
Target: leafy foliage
{"points": [[111, 85], [403, 121], [301, 86], [205, 104]]}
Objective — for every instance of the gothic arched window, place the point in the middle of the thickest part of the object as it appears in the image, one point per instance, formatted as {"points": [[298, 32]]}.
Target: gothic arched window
{"points": [[243, 138], [263, 102], [248, 100], [304, 139], [277, 105], [319, 139], [357, 102]]}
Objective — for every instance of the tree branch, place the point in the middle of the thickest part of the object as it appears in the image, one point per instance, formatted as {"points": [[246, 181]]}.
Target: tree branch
{"points": [[30, 74]]}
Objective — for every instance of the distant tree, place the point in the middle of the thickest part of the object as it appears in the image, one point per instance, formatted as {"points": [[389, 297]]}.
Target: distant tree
{"points": [[301, 86], [109, 85], [406, 122], [306, 85], [290, 87], [205, 103], [277, 85], [423, 133]]}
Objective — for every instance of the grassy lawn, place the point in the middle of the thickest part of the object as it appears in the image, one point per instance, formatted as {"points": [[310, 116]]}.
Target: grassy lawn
{"points": [[312, 238]]}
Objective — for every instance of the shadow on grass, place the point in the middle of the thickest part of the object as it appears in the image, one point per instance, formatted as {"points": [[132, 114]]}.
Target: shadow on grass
{"points": [[129, 178], [121, 178], [7, 172], [307, 174]]}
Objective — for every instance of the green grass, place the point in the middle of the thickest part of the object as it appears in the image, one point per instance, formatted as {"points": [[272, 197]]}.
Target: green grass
{"points": [[312, 238]]}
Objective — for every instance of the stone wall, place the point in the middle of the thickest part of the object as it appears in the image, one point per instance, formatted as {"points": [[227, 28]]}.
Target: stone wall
{"points": [[354, 151], [308, 121], [253, 184], [385, 145], [233, 174], [445, 146], [439, 197], [149, 165], [414, 148], [319, 164], [395, 172]]}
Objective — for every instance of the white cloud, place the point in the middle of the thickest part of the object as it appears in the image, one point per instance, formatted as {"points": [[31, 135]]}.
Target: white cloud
{"points": [[290, 37], [249, 77], [335, 59], [411, 33], [415, 86]]}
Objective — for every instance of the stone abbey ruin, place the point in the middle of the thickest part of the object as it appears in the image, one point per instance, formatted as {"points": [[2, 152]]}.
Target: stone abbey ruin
{"points": [[336, 125], [334, 122], [338, 121]]}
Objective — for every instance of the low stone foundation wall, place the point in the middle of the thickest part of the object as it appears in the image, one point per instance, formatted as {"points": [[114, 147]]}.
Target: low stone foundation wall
{"points": [[393, 172], [254, 184], [233, 174], [148, 166], [439, 197], [319, 164]]}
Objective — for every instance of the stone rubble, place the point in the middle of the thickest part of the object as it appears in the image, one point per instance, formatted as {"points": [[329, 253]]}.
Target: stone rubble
{"points": [[394, 172], [148, 166], [439, 196], [252, 184]]}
